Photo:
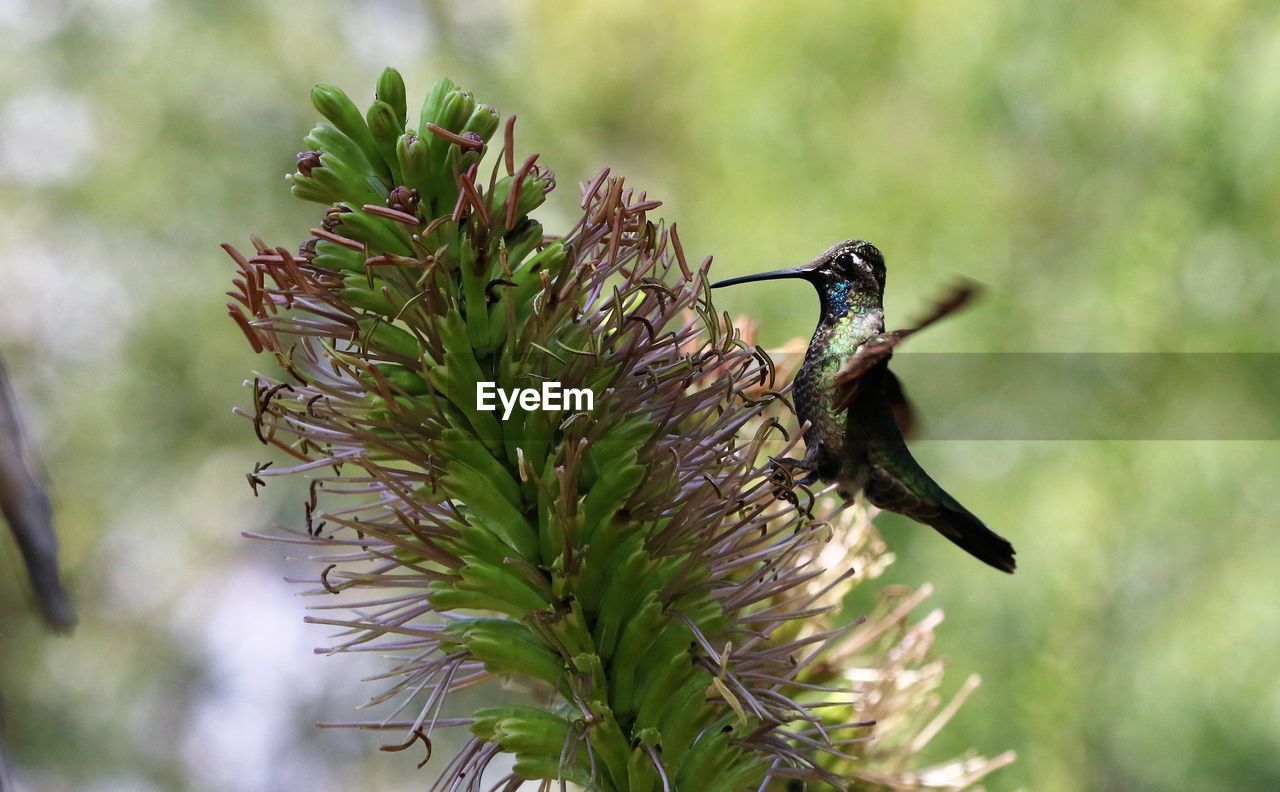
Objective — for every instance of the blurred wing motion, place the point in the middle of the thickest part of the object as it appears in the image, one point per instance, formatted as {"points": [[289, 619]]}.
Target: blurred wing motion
{"points": [[25, 506], [904, 413], [880, 349]]}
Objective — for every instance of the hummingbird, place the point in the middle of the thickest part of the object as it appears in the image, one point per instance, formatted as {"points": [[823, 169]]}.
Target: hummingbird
{"points": [[854, 405]]}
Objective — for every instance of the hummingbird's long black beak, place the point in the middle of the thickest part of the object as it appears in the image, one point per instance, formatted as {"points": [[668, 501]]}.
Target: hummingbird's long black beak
{"points": [[804, 272]]}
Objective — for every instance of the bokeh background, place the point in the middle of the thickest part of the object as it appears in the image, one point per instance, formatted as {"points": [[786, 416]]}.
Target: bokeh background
{"points": [[1110, 171]]}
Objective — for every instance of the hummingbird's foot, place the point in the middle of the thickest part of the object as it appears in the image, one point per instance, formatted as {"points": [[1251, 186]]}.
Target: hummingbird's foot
{"points": [[808, 479], [783, 473], [785, 469], [785, 484]]}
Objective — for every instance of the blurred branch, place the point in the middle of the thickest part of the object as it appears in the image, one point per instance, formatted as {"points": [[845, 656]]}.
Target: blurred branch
{"points": [[25, 506], [6, 783]]}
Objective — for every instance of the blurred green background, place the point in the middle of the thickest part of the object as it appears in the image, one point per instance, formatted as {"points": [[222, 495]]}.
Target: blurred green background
{"points": [[1110, 171]]}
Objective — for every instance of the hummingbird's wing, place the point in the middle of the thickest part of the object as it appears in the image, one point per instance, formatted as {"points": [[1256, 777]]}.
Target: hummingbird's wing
{"points": [[904, 412], [879, 349], [960, 295], [899, 484]]}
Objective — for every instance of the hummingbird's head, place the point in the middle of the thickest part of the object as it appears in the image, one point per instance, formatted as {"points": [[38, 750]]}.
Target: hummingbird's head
{"points": [[853, 262]]}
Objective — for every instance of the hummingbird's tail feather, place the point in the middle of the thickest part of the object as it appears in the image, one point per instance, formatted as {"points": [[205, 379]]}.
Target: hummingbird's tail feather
{"points": [[901, 485], [975, 538]]}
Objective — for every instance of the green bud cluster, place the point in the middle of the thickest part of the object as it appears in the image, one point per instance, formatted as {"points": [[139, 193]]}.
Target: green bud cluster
{"points": [[362, 157]]}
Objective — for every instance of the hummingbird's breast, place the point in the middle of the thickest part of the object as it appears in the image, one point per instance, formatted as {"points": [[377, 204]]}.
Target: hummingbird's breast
{"points": [[834, 343]]}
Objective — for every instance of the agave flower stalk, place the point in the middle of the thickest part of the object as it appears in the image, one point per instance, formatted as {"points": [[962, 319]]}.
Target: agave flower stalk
{"points": [[640, 563]]}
